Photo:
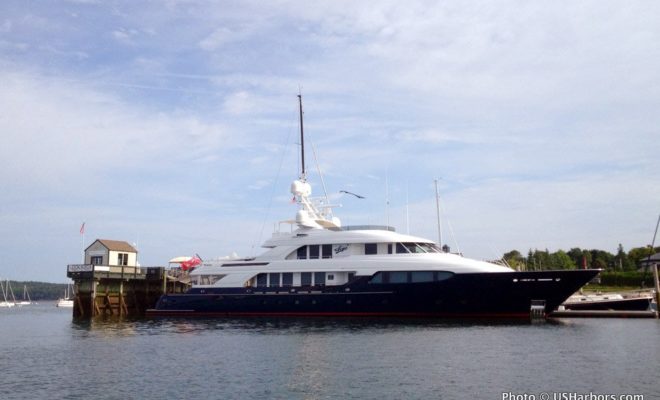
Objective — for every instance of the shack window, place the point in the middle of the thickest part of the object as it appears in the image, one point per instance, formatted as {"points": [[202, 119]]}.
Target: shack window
{"points": [[122, 259]]}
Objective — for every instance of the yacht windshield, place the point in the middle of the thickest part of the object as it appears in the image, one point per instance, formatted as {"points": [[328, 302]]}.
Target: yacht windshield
{"points": [[429, 247], [414, 248]]}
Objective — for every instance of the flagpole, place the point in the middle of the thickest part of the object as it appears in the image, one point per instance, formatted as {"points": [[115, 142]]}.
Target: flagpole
{"points": [[82, 243]]}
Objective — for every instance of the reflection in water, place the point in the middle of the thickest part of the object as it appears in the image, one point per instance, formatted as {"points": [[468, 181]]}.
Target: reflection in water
{"points": [[46, 354]]}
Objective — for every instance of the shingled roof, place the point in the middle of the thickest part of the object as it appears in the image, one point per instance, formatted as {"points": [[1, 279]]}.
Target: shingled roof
{"points": [[116, 245]]}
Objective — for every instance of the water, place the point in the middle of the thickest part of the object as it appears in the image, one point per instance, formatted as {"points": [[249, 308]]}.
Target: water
{"points": [[46, 355]]}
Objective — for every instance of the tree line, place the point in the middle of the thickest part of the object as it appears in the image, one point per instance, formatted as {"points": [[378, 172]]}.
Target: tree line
{"points": [[537, 260], [36, 290]]}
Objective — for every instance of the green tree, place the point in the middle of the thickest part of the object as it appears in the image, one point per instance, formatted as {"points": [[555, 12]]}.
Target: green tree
{"points": [[515, 260], [621, 260], [561, 260], [636, 254], [601, 259]]}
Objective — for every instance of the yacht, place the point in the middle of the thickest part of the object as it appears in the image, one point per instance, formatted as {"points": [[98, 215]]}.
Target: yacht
{"points": [[321, 268]]}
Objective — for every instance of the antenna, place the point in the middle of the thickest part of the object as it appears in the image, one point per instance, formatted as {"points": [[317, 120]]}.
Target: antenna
{"points": [[437, 206], [407, 212], [302, 139], [387, 198]]}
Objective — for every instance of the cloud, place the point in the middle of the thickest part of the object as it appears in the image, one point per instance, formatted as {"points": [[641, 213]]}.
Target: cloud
{"points": [[61, 131], [222, 36], [541, 120]]}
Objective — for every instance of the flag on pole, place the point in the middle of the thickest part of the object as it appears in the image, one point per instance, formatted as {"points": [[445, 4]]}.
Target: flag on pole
{"points": [[82, 229]]}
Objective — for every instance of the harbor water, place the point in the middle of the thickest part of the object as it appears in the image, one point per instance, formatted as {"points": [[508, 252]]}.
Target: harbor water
{"points": [[47, 355]]}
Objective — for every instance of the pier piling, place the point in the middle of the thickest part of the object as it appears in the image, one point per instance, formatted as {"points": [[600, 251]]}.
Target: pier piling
{"points": [[120, 291]]}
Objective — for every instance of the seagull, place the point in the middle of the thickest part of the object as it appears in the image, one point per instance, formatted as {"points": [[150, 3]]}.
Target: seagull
{"points": [[356, 195]]}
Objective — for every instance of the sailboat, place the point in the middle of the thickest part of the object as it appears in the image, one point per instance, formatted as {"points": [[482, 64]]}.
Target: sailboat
{"points": [[66, 301], [5, 293], [26, 298]]}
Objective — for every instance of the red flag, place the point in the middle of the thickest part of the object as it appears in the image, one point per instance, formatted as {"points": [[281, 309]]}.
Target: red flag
{"points": [[584, 262], [82, 228], [190, 264]]}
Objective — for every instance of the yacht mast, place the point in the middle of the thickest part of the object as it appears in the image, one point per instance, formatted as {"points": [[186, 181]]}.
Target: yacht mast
{"points": [[302, 140]]}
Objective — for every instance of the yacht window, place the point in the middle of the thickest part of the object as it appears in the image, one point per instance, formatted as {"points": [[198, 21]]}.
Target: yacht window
{"points": [[287, 279], [274, 280], [421, 276], [305, 279], [326, 251], [262, 280], [429, 247], [302, 252], [319, 278], [210, 279], [314, 251], [442, 275], [378, 278], [400, 248], [410, 277], [398, 277], [331, 277], [351, 275], [370, 248], [414, 248], [389, 248]]}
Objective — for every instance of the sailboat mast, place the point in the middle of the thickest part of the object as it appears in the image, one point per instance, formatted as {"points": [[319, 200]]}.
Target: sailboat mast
{"points": [[302, 139]]}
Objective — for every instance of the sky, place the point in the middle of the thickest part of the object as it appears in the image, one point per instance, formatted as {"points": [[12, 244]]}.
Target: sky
{"points": [[173, 125]]}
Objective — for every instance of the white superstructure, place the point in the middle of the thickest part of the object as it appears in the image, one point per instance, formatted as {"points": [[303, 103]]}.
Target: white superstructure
{"points": [[320, 245]]}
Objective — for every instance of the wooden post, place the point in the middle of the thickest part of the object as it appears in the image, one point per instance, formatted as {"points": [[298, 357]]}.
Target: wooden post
{"points": [[92, 302], [121, 294]]}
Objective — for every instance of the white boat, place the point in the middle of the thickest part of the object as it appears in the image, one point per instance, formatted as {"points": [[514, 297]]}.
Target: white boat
{"points": [[609, 301], [6, 292], [325, 269], [26, 298], [66, 301]]}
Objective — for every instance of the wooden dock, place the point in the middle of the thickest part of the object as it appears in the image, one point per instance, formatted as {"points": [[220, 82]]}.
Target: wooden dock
{"points": [[102, 290]]}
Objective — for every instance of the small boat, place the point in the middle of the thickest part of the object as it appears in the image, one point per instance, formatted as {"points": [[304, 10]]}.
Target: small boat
{"points": [[6, 291], [66, 301], [26, 298], [612, 301]]}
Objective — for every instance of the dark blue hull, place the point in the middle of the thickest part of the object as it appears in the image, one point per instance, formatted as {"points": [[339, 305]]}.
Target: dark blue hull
{"points": [[507, 295]]}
